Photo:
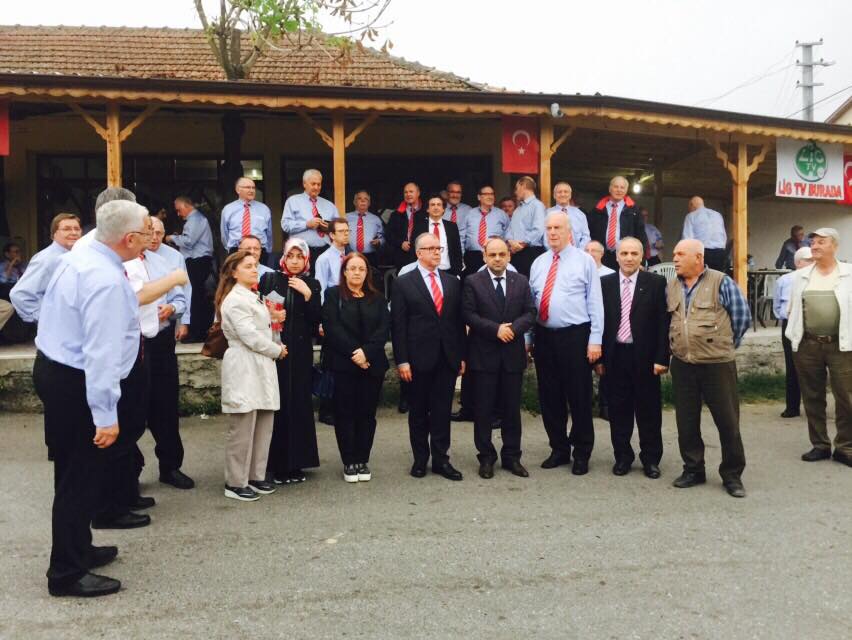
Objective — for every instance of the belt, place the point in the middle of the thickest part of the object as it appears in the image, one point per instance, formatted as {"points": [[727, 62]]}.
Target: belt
{"points": [[821, 339]]}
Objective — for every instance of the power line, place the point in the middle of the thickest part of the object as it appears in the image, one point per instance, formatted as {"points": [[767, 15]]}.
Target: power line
{"points": [[766, 73], [836, 93]]}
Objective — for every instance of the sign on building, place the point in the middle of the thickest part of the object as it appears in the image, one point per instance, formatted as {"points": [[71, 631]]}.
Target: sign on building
{"points": [[809, 170]]}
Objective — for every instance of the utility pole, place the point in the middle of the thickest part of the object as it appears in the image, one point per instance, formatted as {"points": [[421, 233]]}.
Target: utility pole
{"points": [[807, 83]]}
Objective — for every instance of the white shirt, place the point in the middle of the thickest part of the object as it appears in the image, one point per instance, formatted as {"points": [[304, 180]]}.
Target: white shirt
{"points": [[427, 278], [138, 276], [445, 251], [503, 281], [632, 284], [604, 270]]}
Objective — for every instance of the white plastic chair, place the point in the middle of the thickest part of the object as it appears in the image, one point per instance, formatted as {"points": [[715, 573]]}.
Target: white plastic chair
{"points": [[665, 269]]}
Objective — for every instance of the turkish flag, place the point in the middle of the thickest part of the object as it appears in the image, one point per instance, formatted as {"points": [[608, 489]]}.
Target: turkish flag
{"points": [[520, 145], [4, 128], [847, 180]]}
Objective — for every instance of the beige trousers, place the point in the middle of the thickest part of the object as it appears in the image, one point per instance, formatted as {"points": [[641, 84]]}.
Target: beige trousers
{"points": [[6, 312], [247, 447]]}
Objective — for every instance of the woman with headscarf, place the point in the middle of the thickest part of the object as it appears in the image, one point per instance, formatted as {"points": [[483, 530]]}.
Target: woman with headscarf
{"points": [[294, 435]]}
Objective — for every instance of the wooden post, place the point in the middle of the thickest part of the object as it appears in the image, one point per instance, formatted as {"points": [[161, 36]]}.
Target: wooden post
{"points": [[739, 214], [113, 144], [545, 154], [338, 135]]}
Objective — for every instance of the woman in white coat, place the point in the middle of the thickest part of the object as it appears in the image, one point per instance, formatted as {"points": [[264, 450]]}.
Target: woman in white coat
{"points": [[249, 377]]}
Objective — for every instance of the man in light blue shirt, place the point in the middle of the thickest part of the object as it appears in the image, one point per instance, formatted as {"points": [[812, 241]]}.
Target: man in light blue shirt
{"points": [[482, 223], [366, 230], [246, 216], [328, 264], [781, 307], [196, 240], [306, 215], [28, 292], [708, 227], [568, 338], [526, 229], [562, 193], [88, 340], [456, 210], [175, 260], [655, 240]]}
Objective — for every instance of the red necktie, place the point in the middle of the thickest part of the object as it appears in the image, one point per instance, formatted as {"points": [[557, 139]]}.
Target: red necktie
{"points": [[454, 216], [435, 230], [246, 229], [483, 229], [315, 212], [437, 296], [359, 241], [613, 223], [410, 222], [544, 307]]}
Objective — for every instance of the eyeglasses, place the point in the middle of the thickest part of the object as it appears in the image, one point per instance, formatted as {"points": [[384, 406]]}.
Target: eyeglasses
{"points": [[146, 234], [431, 249], [486, 193]]}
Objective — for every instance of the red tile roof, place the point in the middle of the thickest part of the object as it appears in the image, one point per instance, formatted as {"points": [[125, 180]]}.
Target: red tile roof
{"points": [[184, 54]]}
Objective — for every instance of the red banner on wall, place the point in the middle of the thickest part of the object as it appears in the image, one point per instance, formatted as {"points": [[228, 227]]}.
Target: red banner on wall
{"points": [[847, 179], [4, 128], [520, 145]]}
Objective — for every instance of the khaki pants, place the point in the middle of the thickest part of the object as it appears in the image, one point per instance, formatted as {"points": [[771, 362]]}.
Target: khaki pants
{"points": [[813, 361], [247, 447], [6, 312]]}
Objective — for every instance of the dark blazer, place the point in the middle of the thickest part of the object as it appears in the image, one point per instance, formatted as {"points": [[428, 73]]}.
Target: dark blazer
{"points": [[350, 325], [649, 320], [483, 314], [630, 220], [397, 233], [453, 241], [420, 335]]}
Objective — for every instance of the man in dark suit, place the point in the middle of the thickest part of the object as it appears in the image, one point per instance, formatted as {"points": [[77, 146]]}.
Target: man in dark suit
{"points": [[400, 230], [499, 308], [616, 216], [447, 233], [635, 355], [429, 346]]}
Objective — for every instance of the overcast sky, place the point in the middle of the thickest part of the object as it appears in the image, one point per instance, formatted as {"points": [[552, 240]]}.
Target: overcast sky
{"points": [[689, 52]]}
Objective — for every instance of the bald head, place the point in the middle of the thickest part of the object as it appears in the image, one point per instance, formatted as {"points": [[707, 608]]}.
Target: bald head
{"points": [[695, 202], [688, 258], [596, 250], [557, 231]]}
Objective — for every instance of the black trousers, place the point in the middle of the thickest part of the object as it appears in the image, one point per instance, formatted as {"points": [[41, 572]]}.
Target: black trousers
{"points": [[356, 396], [565, 379], [124, 459], [430, 399], [78, 467], [473, 262], [716, 259], [497, 391], [200, 307], [794, 393], [163, 399], [523, 259], [467, 395], [716, 386], [634, 393]]}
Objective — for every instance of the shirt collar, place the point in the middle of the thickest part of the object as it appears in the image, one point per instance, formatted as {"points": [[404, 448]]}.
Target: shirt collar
{"points": [[632, 278], [424, 272], [101, 248], [528, 199], [493, 277]]}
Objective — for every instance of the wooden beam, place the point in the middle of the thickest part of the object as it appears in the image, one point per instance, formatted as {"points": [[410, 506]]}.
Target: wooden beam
{"points": [[76, 108], [755, 162], [558, 143], [739, 216], [142, 117], [320, 131], [113, 144], [723, 157], [360, 129], [339, 151], [545, 154]]}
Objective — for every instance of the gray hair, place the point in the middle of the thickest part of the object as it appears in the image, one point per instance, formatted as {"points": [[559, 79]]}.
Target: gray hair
{"points": [[309, 173], [629, 239], [118, 218], [157, 223], [419, 239], [110, 194], [802, 254]]}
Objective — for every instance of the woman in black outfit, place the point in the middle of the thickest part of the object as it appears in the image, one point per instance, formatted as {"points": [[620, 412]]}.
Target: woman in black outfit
{"points": [[356, 322], [294, 435]]}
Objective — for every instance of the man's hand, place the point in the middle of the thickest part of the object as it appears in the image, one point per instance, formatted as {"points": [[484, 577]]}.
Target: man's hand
{"points": [[181, 331], [359, 357], [376, 242], [168, 239], [659, 369], [179, 277], [313, 223], [406, 246], [283, 353], [593, 353], [105, 436], [164, 312], [404, 371], [600, 369], [463, 368], [505, 333]]}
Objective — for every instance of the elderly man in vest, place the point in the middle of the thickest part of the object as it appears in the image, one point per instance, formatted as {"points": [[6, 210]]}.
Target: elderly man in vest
{"points": [[818, 328], [709, 317]]}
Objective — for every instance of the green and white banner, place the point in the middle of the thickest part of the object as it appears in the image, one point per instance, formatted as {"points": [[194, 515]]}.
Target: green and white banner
{"points": [[810, 170]]}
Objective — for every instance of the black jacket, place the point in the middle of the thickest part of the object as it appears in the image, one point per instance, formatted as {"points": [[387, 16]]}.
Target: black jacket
{"points": [[649, 320], [397, 233], [483, 314], [454, 247], [353, 324], [420, 335], [630, 221]]}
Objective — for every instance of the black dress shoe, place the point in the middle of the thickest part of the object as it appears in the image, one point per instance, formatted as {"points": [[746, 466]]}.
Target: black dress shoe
{"points": [[418, 470], [735, 488], [177, 478], [580, 468], [621, 468], [787, 413], [842, 458], [448, 471], [603, 413], [497, 423], [652, 471], [516, 468], [142, 502], [90, 585], [815, 455], [689, 479], [461, 416], [327, 418], [486, 470], [101, 556], [128, 520], [402, 407], [556, 460]]}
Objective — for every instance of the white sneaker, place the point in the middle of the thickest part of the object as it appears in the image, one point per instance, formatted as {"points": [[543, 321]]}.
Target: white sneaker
{"points": [[364, 474], [350, 473]]}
